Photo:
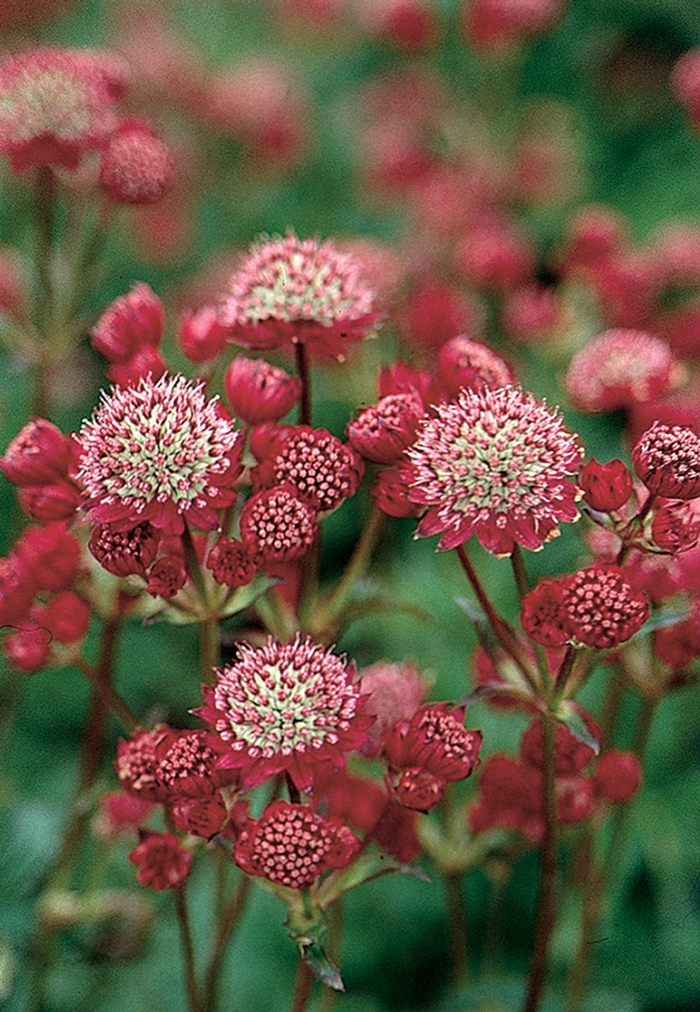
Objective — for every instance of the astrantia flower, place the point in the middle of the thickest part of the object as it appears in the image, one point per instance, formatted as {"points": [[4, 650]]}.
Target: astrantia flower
{"points": [[319, 467], [137, 763], [159, 452], [495, 463], [543, 615], [54, 104], [276, 526], [187, 764], [137, 166], [292, 845], [620, 368], [434, 739], [285, 707], [38, 455], [466, 363], [125, 552], [163, 863], [603, 609], [383, 431], [290, 291], [667, 460]]}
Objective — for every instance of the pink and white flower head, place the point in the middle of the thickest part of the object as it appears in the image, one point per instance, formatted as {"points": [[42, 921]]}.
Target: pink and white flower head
{"points": [[292, 845], [137, 165], [285, 707], [620, 368], [471, 364], [394, 692], [667, 460], [158, 451], [292, 291], [54, 105], [495, 463]]}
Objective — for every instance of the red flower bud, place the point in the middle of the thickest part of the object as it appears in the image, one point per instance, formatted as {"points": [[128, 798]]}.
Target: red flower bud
{"points": [[605, 487], [50, 502], [131, 321], [67, 617], [260, 392], [38, 455], [27, 649], [204, 816], [383, 431], [667, 460], [543, 615], [125, 552], [618, 776], [390, 494], [51, 554], [146, 361], [167, 577], [162, 861], [675, 527], [202, 337], [574, 799]]}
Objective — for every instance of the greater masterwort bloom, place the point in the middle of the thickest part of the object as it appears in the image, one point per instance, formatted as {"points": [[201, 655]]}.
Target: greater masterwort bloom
{"points": [[291, 291], [495, 463], [160, 452], [667, 459], [603, 610], [54, 104], [285, 707]]}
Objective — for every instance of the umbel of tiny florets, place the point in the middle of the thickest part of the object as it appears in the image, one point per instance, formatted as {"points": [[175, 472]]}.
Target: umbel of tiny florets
{"points": [[298, 291], [285, 707], [158, 451], [495, 463]]}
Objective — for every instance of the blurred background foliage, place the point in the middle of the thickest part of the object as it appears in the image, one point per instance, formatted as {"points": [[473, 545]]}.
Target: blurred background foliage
{"points": [[606, 65]]}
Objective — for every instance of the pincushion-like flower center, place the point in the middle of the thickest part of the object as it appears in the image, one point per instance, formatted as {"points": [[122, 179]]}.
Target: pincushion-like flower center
{"points": [[188, 756], [155, 442], [448, 736], [46, 101], [282, 698], [603, 609], [318, 466], [291, 848]]}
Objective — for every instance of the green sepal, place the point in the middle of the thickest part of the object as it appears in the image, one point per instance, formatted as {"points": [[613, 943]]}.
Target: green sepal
{"points": [[319, 963], [242, 597], [364, 869], [571, 718], [307, 926]]}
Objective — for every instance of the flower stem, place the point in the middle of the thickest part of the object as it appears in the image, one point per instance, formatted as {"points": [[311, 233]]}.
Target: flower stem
{"points": [[187, 949], [301, 355], [519, 572], [209, 649], [548, 869], [457, 924], [302, 987], [227, 924], [113, 700]]}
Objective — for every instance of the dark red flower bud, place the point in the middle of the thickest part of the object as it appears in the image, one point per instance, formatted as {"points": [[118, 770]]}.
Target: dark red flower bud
{"points": [[38, 455], [543, 615], [17, 589], [232, 562], [124, 553], [67, 617], [205, 816], [202, 336], [570, 755], [675, 527], [618, 775], [163, 863], [383, 431], [167, 577], [259, 392], [605, 487], [51, 554], [131, 321], [390, 494], [574, 799], [27, 649], [418, 789], [50, 502]]}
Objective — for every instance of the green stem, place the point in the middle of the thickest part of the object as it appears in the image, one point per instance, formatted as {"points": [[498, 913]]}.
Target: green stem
{"points": [[548, 869], [187, 949], [194, 568], [302, 987], [301, 355], [209, 649], [519, 572], [229, 920], [113, 700], [457, 925]]}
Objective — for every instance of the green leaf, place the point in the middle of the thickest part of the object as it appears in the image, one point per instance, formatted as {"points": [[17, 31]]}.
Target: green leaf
{"points": [[366, 868], [242, 597], [571, 718]]}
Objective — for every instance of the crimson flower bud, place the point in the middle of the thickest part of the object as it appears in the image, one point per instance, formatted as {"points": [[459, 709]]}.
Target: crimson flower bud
{"points": [[125, 552], [675, 527], [390, 494], [204, 816], [51, 554], [232, 562], [466, 363], [50, 502], [146, 361], [570, 754], [574, 799], [163, 863], [419, 789], [131, 321], [67, 617], [605, 487], [260, 392], [618, 775], [383, 431], [27, 649], [38, 455], [137, 166], [667, 460], [543, 615], [202, 336], [167, 577], [17, 589]]}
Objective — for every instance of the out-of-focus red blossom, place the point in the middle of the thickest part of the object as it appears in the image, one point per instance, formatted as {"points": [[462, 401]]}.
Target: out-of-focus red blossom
{"points": [[137, 166], [38, 455], [606, 487], [162, 861], [51, 554], [260, 102], [17, 589], [574, 799], [124, 553], [403, 378], [679, 644], [394, 692], [167, 576], [685, 83], [543, 614], [466, 363], [232, 562], [308, 15], [667, 460], [604, 611], [204, 816], [258, 391], [619, 368], [13, 295], [675, 527], [409, 24], [677, 249], [493, 255], [510, 797], [55, 104], [131, 321], [681, 409], [381, 266], [382, 432], [27, 649], [617, 776], [594, 235], [67, 617], [201, 336], [291, 845], [58, 501], [120, 814], [435, 740], [531, 313], [491, 25], [570, 755], [545, 169], [390, 494], [137, 763], [433, 312]]}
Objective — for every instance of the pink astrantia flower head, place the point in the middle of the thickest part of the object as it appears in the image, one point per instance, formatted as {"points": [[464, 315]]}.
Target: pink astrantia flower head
{"points": [[276, 526], [602, 608], [667, 460], [187, 764], [321, 469], [384, 430], [291, 291], [292, 845], [620, 368], [495, 463], [466, 363], [137, 166], [543, 615], [434, 739], [137, 763], [54, 104], [162, 861], [285, 707], [158, 451]]}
